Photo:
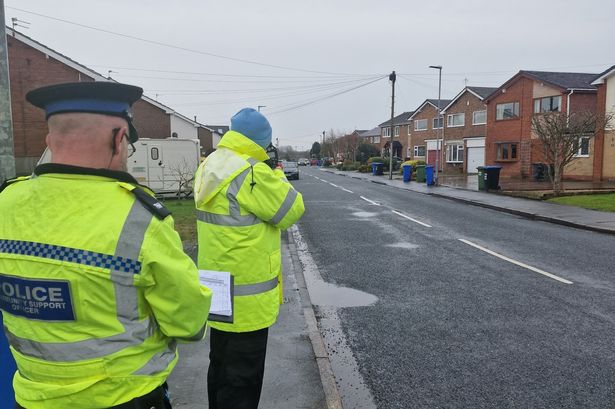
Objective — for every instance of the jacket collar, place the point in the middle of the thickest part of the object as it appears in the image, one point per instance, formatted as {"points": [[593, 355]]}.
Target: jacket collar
{"points": [[239, 143], [78, 170]]}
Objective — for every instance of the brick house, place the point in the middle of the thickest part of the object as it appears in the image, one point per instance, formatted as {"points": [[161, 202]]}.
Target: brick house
{"points": [[33, 65], [400, 131], [604, 141], [510, 109], [465, 119], [424, 129], [209, 136]]}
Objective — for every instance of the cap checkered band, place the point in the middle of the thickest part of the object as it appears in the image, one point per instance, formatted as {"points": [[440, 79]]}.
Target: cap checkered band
{"points": [[85, 257]]}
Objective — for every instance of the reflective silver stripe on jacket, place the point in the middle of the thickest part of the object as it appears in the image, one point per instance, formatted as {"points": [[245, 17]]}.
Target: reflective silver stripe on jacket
{"points": [[83, 350], [227, 220], [159, 362], [231, 193], [253, 289], [135, 332], [287, 204]]}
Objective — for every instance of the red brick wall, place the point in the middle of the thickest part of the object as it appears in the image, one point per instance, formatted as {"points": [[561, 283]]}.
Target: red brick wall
{"points": [[511, 130], [467, 104], [29, 69], [151, 121], [417, 138], [599, 137]]}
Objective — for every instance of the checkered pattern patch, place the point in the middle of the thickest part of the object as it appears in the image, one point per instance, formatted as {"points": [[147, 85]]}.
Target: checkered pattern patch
{"points": [[88, 258]]}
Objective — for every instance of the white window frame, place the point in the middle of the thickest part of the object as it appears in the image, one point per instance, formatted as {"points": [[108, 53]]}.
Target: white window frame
{"points": [[376, 139], [420, 121], [453, 152], [416, 149], [409, 129], [538, 104], [484, 112], [515, 110], [433, 123], [397, 131], [450, 120], [580, 153], [386, 132]]}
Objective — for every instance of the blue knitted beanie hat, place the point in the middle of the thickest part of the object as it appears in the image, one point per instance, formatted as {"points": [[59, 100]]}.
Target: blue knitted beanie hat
{"points": [[253, 125]]}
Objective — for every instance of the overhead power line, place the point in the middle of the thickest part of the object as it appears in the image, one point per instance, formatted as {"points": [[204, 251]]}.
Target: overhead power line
{"points": [[313, 101], [176, 47]]}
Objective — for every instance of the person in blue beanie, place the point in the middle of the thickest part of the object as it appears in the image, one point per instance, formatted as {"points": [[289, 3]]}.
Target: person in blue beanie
{"points": [[242, 205]]}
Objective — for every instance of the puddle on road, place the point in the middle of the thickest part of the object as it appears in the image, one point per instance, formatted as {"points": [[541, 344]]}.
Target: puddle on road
{"points": [[407, 246], [328, 297], [325, 294]]}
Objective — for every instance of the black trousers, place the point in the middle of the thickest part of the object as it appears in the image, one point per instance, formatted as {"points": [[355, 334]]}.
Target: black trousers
{"points": [[236, 368], [156, 399]]}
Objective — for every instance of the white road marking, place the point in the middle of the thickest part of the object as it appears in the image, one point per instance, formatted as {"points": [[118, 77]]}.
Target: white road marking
{"points": [[370, 201], [333, 184], [510, 260], [410, 218], [346, 190]]}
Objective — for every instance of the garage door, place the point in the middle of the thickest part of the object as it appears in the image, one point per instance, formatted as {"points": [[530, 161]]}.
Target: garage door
{"points": [[476, 157]]}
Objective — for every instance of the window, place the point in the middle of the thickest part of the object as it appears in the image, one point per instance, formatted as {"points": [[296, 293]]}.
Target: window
{"points": [[456, 120], [386, 131], [419, 150], [409, 129], [583, 147], [506, 151], [376, 139], [437, 123], [420, 124], [454, 153], [479, 117], [154, 153], [548, 104], [509, 110]]}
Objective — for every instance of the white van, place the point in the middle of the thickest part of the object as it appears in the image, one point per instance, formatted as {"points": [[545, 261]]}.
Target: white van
{"points": [[166, 166]]}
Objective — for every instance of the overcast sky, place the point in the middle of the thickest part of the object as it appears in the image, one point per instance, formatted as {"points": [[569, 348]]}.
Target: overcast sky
{"points": [[321, 48]]}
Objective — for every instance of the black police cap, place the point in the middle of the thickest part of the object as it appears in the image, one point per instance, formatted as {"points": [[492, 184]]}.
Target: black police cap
{"points": [[108, 98]]}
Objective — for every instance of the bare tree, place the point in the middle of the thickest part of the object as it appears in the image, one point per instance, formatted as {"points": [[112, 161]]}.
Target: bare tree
{"points": [[562, 135], [183, 173]]}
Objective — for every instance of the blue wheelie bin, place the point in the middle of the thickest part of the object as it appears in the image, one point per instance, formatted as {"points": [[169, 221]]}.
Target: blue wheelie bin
{"points": [[429, 175], [7, 370], [407, 172], [377, 168]]}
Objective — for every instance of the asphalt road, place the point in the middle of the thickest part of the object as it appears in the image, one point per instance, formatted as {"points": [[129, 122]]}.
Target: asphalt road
{"points": [[476, 308]]}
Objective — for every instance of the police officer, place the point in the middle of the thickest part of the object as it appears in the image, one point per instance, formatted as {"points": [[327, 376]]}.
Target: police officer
{"points": [[242, 204], [95, 288]]}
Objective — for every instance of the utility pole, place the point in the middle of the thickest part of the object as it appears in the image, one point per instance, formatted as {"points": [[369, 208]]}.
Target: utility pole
{"points": [[392, 78], [440, 120], [7, 154]]}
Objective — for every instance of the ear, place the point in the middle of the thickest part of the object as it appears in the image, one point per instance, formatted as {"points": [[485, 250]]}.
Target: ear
{"points": [[117, 139]]}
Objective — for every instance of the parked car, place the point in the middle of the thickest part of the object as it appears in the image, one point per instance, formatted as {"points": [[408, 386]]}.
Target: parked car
{"points": [[291, 170], [314, 162], [303, 162]]}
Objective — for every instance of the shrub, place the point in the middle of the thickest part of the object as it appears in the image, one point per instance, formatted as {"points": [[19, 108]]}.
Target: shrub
{"points": [[365, 168], [413, 163], [375, 159]]}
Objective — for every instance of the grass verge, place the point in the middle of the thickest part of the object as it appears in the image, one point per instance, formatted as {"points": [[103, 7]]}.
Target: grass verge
{"points": [[184, 215], [604, 202]]}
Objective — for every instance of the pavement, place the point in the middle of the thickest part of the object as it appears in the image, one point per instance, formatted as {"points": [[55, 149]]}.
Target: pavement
{"points": [[593, 220]]}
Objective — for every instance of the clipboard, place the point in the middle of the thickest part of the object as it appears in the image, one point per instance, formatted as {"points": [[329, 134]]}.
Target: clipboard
{"points": [[221, 283]]}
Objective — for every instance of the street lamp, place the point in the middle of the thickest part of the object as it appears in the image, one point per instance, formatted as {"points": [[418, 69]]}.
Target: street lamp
{"points": [[440, 120]]}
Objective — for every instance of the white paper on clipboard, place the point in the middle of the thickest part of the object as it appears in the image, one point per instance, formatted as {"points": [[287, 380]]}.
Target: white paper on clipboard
{"points": [[221, 285]]}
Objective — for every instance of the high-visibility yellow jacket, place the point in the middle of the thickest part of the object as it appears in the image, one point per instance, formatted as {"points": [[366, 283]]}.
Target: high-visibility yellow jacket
{"points": [[95, 288], [241, 207]]}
